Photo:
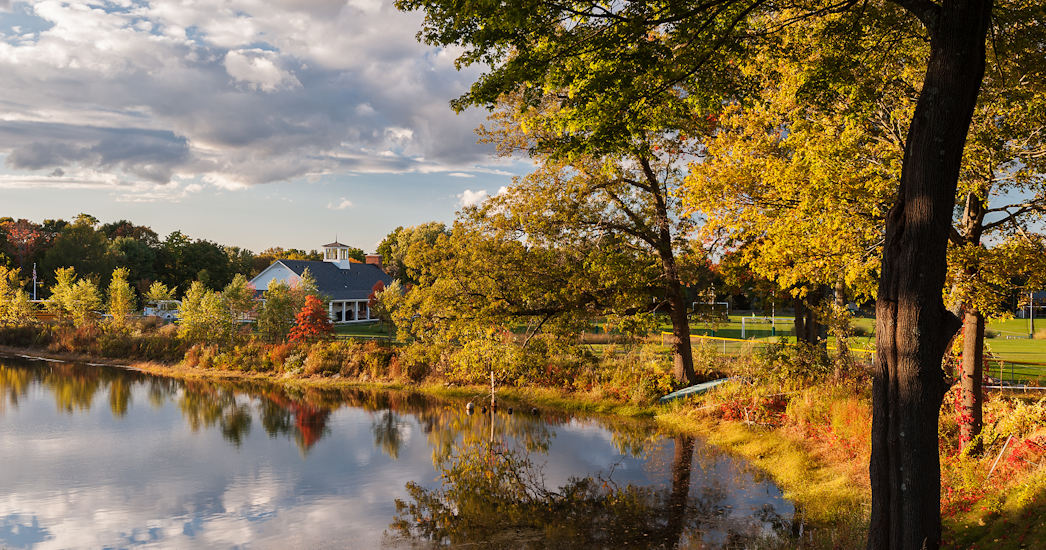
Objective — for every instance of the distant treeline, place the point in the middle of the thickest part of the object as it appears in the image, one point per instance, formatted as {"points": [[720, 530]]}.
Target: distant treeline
{"points": [[95, 249]]}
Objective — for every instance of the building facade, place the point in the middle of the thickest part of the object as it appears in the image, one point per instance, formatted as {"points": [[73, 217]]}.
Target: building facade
{"points": [[346, 282]]}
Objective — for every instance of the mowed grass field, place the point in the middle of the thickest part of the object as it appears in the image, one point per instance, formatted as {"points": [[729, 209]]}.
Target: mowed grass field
{"points": [[1012, 355]]}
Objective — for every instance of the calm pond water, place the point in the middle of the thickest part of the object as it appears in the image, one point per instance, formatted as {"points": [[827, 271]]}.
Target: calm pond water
{"points": [[94, 456]]}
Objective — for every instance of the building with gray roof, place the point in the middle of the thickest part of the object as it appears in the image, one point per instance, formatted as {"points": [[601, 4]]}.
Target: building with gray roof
{"points": [[347, 283]]}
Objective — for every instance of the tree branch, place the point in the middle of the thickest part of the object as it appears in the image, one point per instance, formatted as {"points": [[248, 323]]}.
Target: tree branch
{"points": [[925, 10]]}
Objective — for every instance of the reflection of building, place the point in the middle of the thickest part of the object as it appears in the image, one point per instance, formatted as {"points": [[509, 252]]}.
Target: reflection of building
{"points": [[346, 282]]}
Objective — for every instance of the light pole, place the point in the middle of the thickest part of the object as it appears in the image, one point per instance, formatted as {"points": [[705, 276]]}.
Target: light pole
{"points": [[1031, 315]]}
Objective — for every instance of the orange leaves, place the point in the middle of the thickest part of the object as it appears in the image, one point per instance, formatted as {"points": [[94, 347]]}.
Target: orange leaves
{"points": [[311, 322]]}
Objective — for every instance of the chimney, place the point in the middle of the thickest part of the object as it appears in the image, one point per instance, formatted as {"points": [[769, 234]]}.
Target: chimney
{"points": [[374, 259]]}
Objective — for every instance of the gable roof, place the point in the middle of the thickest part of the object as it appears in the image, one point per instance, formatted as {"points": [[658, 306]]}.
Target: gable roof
{"points": [[340, 284], [335, 244]]}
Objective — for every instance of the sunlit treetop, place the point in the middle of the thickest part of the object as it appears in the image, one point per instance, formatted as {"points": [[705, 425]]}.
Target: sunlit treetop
{"points": [[619, 69]]}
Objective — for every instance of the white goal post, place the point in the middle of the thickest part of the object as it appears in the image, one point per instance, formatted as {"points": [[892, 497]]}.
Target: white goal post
{"points": [[772, 321]]}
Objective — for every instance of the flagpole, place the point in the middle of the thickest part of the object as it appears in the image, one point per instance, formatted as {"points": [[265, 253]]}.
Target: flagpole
{"points": [[34, 281]]}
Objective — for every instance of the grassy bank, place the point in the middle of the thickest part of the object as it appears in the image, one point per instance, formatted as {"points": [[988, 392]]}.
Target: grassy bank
{"points": [[801, 420]]}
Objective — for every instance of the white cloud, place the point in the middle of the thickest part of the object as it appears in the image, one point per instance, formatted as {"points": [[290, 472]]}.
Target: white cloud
{"points": [[345, 203], [460, 175], [229, 92], [472, 198], [257, 69]]}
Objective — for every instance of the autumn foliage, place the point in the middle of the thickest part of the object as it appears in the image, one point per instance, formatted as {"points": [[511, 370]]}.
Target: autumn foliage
{"points": [[311, 322]]}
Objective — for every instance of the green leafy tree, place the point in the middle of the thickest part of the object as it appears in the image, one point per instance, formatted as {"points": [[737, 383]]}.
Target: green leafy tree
{"points": [[1002, 193], [305, 285], [796, 180], [81, 246], [74, 300], [185, 260], [478, 283], [239, 296], [396, 245], [625, 65], [136, 256], [281, 303], [60, 302], [802, 175], [204, 316], [385, 301], [121, 299], [15, 308], [630, 198], [124, 228], [158, 292], [85, 302]]}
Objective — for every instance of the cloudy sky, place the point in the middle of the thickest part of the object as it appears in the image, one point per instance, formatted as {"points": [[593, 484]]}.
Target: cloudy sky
{"points": [[250, 122]]}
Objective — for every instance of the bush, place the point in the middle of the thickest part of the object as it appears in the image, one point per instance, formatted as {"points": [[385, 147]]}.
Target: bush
{"points": [[639, 374], [26, 336], [323, 359], [792, 365]]}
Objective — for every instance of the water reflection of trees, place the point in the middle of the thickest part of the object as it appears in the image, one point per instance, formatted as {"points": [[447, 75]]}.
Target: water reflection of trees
{"points": [[492, 496], [298, 413]]}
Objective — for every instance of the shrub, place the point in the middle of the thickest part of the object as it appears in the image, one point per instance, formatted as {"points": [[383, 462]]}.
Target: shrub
{"points": [[25, 336], [323, 360], [278, 354], [791, 365]]}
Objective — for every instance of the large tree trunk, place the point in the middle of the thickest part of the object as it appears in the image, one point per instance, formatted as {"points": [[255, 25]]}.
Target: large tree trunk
{"points": [[970, 372], [682, 353], [809, 328], [970, 379], [661, 240], [913, 328]]}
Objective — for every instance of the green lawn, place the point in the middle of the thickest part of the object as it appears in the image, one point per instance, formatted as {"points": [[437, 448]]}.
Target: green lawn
{"points": [[361, 330], [1008, 346]]}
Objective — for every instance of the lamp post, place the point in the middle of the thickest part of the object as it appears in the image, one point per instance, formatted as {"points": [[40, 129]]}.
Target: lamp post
{"points": [[1031, 315]]}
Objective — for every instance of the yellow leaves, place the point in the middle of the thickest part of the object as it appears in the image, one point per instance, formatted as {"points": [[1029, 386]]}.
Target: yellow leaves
{"points": [[800, 189]]}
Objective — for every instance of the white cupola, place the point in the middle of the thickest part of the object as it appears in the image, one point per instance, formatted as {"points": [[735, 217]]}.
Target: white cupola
{"points": [[337, 254]]}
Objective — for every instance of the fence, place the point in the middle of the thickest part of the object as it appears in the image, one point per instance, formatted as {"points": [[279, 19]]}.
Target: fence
{"points": [[997, 369], [1015, 371], [743, 345]]}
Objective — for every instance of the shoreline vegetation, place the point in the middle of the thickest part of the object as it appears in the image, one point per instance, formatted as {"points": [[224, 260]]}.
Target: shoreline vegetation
{"points": [[792, 414]]}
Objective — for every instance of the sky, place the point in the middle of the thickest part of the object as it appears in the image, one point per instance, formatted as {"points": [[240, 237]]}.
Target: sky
{"points": [[253, 123]]}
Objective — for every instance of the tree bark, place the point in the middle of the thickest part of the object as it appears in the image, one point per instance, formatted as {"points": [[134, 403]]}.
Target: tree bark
{"points": [[970, 372], [682, 353], [913, 328], [970, 379], [808, 327], [841, 325], [799, 319]]}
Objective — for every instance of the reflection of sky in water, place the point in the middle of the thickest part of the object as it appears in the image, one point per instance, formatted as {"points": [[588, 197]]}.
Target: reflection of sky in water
{"points": [[90, 479]]}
